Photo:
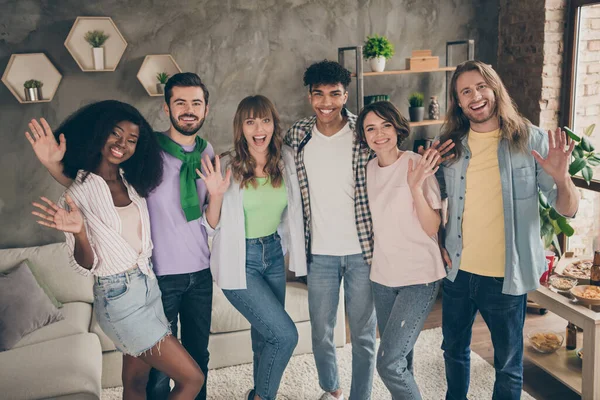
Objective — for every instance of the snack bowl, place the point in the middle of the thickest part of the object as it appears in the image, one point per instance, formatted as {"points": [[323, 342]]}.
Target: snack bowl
{"points": [[545, 342], [562, 283], [587, 294]]}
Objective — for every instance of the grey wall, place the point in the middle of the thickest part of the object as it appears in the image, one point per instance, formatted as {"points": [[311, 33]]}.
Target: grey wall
{"points": [[239, 47]]}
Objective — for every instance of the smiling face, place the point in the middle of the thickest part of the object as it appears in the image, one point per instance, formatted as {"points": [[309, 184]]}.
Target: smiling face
{"points": [[187, 109], [258, 133], [121, 143], [328, 101], [380, 134], [475, 97]]}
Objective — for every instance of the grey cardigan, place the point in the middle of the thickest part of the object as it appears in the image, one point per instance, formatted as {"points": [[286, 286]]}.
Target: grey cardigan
{"points": [[228, 254]]}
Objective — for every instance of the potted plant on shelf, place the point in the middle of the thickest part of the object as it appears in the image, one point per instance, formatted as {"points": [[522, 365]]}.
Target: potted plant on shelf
{"points": [[96, 39], [416, 109], [33, 90], [162, 78], [551, 222], [377, 49]]}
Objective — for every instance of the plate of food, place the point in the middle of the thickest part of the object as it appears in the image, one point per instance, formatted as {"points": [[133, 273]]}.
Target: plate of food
{"points": [[587, 294], [562, 284], [545, 342], [579, 269]]}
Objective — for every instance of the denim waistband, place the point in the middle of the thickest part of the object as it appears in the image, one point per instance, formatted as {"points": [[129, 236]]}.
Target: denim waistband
{"points": [[264, 240], [126, 275]]}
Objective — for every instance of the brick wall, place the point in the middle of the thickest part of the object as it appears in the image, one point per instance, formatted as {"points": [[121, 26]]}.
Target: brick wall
{"points": [[531, 43]]}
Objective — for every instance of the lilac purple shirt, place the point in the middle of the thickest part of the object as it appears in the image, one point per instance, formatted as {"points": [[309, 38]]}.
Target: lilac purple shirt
{"points": [[180, 247]]}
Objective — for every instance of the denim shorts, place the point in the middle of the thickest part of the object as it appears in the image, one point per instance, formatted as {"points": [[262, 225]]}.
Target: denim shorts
{"points": [[129, 310]]}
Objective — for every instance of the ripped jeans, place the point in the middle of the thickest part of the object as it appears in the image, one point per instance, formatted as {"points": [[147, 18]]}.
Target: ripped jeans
{"points": [[401, 314]]}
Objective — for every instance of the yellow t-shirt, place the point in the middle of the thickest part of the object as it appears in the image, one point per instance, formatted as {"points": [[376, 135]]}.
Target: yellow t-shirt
{"points": [[483, 217]]}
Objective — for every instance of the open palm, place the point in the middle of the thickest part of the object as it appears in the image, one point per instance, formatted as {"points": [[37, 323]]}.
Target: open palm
{"points": [[556, 163], [216, 184], [44, 144], [424, 168], [58, 218]]}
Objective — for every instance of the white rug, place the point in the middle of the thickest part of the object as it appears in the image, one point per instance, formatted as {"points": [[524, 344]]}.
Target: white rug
{"points": [[300, 380]]}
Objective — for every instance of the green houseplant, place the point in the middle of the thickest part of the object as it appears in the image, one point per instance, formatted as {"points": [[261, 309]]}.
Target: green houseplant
{"points": [[416, 109], [33, 90], [96, 39], [162, 78], [584, 158], [377, 49]]}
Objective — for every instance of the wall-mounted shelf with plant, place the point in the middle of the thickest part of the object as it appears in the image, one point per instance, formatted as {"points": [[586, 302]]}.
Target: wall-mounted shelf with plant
{"points": [[155, 69], [377, 50], [96, 44], [25, 74], [584, 158], [416, 111]]}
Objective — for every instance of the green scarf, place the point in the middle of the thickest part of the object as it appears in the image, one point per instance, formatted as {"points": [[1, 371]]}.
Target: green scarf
{"points": [[187, 174]]}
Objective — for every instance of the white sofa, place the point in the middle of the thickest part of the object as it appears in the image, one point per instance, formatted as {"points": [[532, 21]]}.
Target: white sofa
{"points": [[74, 359]]}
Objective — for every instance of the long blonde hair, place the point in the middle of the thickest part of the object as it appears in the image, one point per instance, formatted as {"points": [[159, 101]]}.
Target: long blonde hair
{"points": [[513, 126], [243, 164]]}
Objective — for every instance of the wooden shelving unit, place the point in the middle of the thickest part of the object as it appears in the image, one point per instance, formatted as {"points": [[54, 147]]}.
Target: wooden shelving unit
{"points": [[152, 65], [359, 74], [22, 67], [81, 51]]}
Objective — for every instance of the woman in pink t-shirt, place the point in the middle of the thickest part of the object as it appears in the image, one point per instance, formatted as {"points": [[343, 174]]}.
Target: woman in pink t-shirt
{"points": [[404, 198]]}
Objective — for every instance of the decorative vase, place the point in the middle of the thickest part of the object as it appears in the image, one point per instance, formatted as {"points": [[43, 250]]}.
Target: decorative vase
{"points": [[434, 108], [377, 64], [31, 94], [98, 53], [160, 88], [416, 113]]}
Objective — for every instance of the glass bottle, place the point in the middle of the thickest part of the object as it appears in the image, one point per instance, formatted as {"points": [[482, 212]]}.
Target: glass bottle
{"points": [[595, 271], [434, 108], [571, 336]]}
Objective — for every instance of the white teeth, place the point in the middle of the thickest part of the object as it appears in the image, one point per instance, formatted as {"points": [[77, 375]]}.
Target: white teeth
{"points": [[478, 106], [116, 152], [326, 112], [382, 141], [260, 137]]}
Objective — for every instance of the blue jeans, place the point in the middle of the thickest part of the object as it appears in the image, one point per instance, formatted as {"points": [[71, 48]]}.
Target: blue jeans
{"points": [[504, 316], [401, 314], [274, 334], [325, 275], [189, 297]]}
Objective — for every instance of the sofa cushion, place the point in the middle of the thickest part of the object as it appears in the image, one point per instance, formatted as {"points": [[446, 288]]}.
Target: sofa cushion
{"points": [[77, 317], [67, 366], [105, 342], [38, 277], [225, 318], [52, 263], [24, 307]]}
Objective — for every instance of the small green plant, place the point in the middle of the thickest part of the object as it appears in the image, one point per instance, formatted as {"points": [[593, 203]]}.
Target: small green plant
{"points": [[551, 222], [96, 38], [32, 83], [416, 99], [162, 77], [377, 46]]}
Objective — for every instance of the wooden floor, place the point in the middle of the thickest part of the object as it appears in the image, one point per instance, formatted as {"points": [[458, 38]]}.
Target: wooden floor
{"points": [[536, 381]]}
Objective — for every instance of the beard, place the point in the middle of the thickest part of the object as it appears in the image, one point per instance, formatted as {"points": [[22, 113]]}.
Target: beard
{"points": [[482, 119], [185, 129]]}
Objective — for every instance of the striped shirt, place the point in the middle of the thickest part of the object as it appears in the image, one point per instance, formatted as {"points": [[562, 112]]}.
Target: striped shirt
{"points": [[112, 253], [297, 137]]}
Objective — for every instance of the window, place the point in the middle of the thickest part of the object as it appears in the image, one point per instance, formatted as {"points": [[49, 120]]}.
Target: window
{"points": [[581, 109]]}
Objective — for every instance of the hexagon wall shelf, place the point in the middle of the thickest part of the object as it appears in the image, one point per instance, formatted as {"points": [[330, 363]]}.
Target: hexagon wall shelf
{"points": [[114, 47], [22, 67], [152, 65]]}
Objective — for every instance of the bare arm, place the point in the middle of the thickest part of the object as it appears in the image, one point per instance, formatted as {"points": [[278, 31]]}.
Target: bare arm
{"points": [[47, 150], [53, 216], [556, 165], [429, 218]]}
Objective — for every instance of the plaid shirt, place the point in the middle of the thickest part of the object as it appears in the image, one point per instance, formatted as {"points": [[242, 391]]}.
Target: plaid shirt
{"points": [[297, 137]]}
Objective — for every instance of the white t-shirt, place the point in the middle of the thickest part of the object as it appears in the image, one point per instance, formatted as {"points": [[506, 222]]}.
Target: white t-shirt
{"points": [[403, 254], [328, 163]]}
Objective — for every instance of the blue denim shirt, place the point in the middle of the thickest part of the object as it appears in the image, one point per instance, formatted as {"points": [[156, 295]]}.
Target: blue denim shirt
{"points": [[520, 177]]}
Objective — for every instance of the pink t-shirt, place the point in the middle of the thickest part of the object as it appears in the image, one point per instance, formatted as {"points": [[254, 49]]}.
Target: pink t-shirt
{"points": [[403, 253]]}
